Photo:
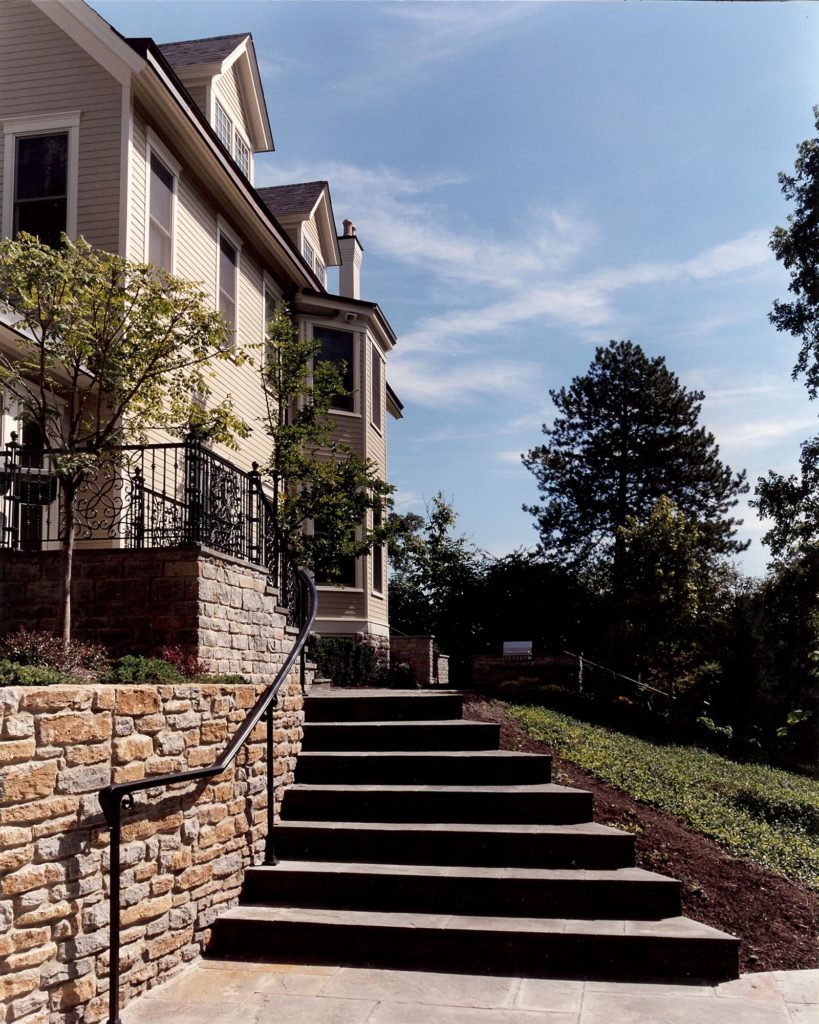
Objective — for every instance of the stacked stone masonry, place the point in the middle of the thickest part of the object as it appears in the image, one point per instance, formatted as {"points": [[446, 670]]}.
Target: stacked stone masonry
{"points": [[184, 850], [217, 608]]}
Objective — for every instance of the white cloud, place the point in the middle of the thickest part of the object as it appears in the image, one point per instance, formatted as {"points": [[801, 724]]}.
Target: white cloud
{"points": [[510, 458], [429, 382], [763, 431]]}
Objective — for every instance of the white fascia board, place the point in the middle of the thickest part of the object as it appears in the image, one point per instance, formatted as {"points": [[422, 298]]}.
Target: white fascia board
{"points": [[94, 35], [326, 228], [253, 93]]}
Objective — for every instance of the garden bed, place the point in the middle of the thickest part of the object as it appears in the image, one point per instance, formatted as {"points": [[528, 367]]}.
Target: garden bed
{"points": [[774, 916]]}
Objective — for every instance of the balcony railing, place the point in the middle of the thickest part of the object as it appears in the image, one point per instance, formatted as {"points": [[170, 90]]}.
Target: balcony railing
{"points": [[150, 496]]}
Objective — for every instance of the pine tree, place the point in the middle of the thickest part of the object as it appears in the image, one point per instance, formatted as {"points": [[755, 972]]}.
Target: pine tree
{"points": [[626, 434]]}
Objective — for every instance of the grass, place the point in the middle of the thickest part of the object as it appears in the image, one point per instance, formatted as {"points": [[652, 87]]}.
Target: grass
{"points": [[765, 814]]}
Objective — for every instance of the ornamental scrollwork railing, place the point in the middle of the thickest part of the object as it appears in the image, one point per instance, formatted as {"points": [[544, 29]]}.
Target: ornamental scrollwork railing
{"points": [[149, 496]]}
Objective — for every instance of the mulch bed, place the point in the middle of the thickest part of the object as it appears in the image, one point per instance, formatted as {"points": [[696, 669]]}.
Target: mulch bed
{"points": [[774, 917]]}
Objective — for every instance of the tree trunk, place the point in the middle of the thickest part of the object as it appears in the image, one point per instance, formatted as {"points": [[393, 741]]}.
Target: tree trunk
{"points": [[69, 490]]}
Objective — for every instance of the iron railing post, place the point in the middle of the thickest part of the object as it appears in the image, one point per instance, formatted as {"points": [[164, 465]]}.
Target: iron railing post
{"points": [[194, 492], [270, 857], [112, 808]]}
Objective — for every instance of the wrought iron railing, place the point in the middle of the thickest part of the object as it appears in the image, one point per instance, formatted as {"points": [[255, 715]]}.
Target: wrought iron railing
{"points": [[148, 496], [299, 594]]}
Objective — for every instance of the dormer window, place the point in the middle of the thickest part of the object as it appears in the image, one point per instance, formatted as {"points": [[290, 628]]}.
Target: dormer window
{"points": [[321, 271], [242, 155], [308, 253], [224, 127]]}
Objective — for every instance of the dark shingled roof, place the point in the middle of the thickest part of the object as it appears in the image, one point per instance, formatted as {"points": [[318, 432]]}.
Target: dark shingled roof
{"points": [[284, 199], [200, 51]]}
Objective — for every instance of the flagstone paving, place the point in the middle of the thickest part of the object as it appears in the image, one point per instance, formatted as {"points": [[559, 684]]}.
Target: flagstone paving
{"points": [[247, 992]]}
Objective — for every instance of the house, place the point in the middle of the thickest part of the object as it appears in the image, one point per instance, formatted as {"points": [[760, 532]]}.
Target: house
{"points": [[149, 151]]}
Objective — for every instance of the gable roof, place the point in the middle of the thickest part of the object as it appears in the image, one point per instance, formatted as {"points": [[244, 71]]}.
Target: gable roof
{"points": [[292, 199], [201, 51]]}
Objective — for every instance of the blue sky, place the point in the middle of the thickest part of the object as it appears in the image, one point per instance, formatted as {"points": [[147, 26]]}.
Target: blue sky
{"points": [[530, 180]]}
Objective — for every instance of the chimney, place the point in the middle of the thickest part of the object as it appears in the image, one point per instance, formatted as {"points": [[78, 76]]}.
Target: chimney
{"points": [[349, 274]]}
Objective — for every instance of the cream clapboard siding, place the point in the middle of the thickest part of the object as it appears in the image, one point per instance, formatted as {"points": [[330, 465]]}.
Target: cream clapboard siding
{"points": [[42, 71], [228, 92], [196, 258], [199, 95], [376, 451]]}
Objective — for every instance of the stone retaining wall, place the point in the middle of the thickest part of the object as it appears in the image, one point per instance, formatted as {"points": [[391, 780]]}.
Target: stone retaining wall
{"points": [[183, 852], [215, 607]]}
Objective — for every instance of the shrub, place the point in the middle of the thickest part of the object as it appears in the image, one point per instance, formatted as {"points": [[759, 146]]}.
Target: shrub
{"points": [[401, 676], [13, 673], [752, 810], [135, 668], [346, 662], [188, 664], [35, 647]]}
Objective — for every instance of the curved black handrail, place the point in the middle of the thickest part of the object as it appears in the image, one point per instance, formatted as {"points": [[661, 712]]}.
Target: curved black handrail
{"points": [[121, 794]]}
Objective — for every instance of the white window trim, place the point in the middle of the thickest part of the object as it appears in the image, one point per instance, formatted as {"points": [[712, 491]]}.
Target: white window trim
{"points": [[158, 148], [221, 106], [222, 228], [45, 124], [238, 135], [268, 286], [356, 412], [309, 528], [376, 354]]}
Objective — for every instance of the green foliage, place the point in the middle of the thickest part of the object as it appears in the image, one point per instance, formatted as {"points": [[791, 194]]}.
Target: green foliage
{"points": [[136, 668], [753, 811], [13, 673], [626, 433], [434, 577], [668, 586], [130, 348], [796, 246], [114, 350], [314, 477], [35, 647], [346, 662]]}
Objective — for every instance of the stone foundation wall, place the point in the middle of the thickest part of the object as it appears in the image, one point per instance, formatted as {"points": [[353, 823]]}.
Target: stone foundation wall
{"points": [[183, 852], [213, 606], [419, 652]]}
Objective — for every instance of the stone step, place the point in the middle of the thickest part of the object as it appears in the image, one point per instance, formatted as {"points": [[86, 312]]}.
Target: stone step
{"points": [[409, 735], [585, 845], [507, 892], [545, 803], [363, 705], [447, 767], [624, 949]]}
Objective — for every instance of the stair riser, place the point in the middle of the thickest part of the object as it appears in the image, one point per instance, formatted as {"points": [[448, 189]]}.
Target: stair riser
{"points": [[424, 805], [383, 709], [506, 897], [468, 849], [406, 770], [387, 736], [474, 951]]}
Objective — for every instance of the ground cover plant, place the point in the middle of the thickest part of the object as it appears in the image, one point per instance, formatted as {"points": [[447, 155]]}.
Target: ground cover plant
{"points": [[775, 917], [766, 814]]}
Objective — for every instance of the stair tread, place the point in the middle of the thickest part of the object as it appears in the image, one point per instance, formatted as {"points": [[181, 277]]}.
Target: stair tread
{"points": [[368, 787], [522, 828], [622, 874], [670, 927], [400, 723], [500, 754]]}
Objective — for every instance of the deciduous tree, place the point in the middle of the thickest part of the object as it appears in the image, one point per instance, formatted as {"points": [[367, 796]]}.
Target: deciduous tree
{"points": [[316, 479], [108, 350]]}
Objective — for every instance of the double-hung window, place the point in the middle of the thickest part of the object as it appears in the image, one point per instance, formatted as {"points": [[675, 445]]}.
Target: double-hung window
{"points": [[160, 224], [224, 127], [228, 271], [338, 348], [377, 390], [40, 193], [242, 154]]}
